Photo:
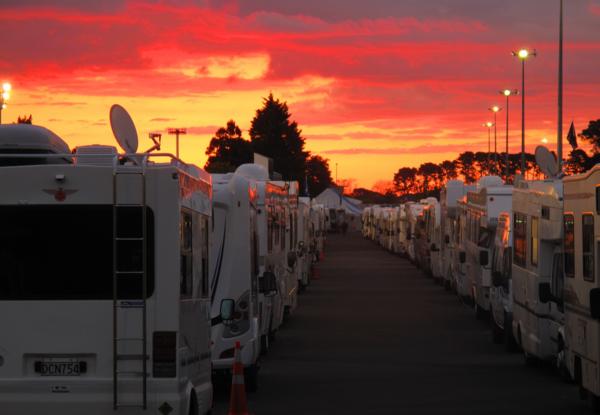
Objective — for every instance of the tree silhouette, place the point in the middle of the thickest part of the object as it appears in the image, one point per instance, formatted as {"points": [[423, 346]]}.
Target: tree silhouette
{"points": [[273, 135], [592, 135], [430, 175], [466, 162], [449, 169], [228, 150], [318, 175], [24, 119], [405, 180]]}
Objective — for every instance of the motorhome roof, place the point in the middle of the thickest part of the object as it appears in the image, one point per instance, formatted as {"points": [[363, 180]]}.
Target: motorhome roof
{"points": [[31, 139]]}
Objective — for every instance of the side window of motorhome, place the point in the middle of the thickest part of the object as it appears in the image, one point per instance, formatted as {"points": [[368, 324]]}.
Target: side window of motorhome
{"points": [[587, 233], [520, 239], [186, 254], [569, 245], [33, 239], [534, 240], [204, 251]]}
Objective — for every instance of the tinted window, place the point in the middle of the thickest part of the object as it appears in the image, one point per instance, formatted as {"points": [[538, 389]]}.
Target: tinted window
{"points": [[534, 240], [569, 245], [66, 252], [587, 233], [520, 239]]}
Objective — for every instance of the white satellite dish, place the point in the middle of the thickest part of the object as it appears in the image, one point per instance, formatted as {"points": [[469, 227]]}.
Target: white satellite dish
{"points": [[546, 161], [123, 129]]}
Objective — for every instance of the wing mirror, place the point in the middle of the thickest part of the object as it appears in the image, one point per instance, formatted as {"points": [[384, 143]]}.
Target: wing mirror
{"points": [[483, 258], [227, 310], [595, 303], [267, 284], [433, 248], [462, 257], [544, 293]]}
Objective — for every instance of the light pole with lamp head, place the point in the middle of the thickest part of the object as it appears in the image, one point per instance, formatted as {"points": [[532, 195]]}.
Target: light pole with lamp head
{"points": [[489, 126], [495, 109], [523, 55], [4, 97], [507, 93]]}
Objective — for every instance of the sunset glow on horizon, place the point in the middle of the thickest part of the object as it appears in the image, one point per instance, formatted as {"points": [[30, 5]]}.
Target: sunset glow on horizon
{"points": [[374, 86]]}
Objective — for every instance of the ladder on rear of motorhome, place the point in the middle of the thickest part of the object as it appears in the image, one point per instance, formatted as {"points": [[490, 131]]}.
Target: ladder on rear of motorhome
{"points": [[130, 283]]}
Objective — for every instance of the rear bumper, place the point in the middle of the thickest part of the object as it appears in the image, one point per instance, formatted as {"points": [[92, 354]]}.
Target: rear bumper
{"points": [[89, 397]]}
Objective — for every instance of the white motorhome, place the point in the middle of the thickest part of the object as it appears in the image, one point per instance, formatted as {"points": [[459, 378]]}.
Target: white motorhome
{"points": [[366, 221], [234, 260], [451, 193], [413, 210], [317, 215], [484, 205], [433, 234], [459, 259], [304, 242], [536, 264], [105, 265], [501, 295], [582, 279]]}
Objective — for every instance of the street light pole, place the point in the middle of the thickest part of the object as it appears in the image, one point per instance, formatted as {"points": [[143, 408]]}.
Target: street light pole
{"points": [[559, 149], [495, 109], [489, 127], [507, 93], [4, 97], [177, 132], [523, 54]]}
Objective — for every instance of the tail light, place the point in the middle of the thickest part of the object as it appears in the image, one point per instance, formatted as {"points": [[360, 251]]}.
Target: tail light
{"points": [[241, 318], [164, 354]]}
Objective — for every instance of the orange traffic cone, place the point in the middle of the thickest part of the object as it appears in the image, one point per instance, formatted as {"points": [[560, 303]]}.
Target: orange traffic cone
{"points": [[238, 404]]}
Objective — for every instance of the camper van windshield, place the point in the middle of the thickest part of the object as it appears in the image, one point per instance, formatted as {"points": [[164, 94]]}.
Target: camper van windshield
{"points": [[64, 252]]}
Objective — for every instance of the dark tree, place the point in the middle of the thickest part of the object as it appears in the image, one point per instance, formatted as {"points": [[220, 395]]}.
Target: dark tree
{"points": [[228, 150], [430, 174], [273, 135], [24, 119], [592, 135], [449, 170], [466, 163], [318, 175], [577, 162], [405, 180]]}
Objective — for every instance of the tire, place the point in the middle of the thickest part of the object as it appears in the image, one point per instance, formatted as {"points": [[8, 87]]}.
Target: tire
{"points": [[264, 344], [447, 285], [561, 362], [479, 313], [251, 378], [510, 344], [497, 332], [193, 405]]}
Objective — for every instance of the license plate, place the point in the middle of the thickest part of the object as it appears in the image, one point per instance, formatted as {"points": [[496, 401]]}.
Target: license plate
{"points": [[60, 368]]}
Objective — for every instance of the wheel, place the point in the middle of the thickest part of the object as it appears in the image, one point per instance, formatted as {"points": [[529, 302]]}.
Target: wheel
{"points": [[264, 344], [447, 285], [193, 405], [561, 361], [251, 378], [497, 332], [479, 312], [510, 344]]}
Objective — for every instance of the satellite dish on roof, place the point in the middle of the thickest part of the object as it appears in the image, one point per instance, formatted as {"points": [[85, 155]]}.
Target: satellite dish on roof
{"points": [[123, 129], [546, 161]]}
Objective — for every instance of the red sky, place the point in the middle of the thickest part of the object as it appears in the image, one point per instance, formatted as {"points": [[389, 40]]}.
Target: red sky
{"points": [[374, 85]]}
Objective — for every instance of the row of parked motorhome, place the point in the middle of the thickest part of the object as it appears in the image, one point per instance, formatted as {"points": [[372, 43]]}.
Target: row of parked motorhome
{"points": [[128, 279], [524, 255]]}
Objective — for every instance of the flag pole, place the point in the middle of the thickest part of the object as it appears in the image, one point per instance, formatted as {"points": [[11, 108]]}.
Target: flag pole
{"points": [[559, 147]]}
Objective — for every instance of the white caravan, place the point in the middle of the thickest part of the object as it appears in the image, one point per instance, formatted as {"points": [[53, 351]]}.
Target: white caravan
{"points": [[234, 261], [304, 243], [582, 279], [105, 272], [289, 215], [501, 295], [459, 259], [413, 210], [432, 216], [451, 193], [484, 205], [536, 263], [317, 217]]}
